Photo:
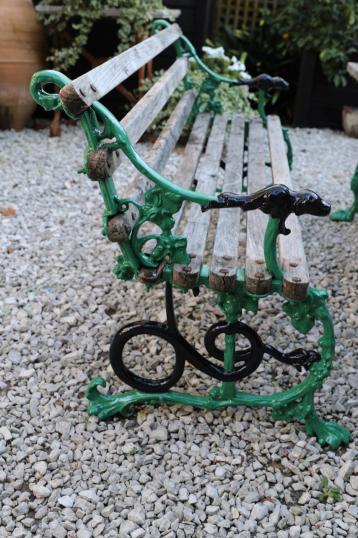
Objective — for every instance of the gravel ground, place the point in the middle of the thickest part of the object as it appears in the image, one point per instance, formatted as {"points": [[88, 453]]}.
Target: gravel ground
{"points": [[169, 471]]}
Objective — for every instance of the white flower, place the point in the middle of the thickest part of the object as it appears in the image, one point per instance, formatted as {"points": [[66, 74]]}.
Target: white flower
{"points": [[219, 52], [245, 76], [236, 65]]}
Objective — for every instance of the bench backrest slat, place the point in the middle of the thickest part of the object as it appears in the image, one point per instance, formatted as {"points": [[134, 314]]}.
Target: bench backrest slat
{"points": [[163, 146], [157, 159], [138, 119], [292, 254], [146, 110], [96, 83]]}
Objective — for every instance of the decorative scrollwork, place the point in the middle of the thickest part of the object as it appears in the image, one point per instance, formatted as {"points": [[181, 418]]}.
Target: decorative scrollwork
{"points": [[159, 207], [246, 361]]}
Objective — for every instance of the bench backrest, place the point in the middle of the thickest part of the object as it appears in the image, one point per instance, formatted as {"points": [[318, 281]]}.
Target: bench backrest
{"points": [[81, 93], [96, 83]]}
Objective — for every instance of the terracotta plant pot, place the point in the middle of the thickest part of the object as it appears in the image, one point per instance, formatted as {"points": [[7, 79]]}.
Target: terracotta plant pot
{"points": [[350, 121], [22, 52]]}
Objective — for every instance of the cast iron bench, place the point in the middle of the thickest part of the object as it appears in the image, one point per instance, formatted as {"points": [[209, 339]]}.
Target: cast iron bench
{"points": [[162, 229]]}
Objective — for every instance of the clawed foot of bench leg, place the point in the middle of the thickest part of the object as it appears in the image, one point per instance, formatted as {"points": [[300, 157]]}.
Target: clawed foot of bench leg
{"points": [[327, 432], [107, 405], [343, 215]]}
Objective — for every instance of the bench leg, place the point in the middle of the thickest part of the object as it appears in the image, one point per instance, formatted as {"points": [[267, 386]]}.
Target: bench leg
{"points": [[303, 315], [293, 404], [327, 432], [347, 215]]}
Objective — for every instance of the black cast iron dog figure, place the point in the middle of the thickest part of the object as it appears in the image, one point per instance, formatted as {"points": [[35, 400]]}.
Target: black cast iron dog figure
{"points": [[278, 201]]}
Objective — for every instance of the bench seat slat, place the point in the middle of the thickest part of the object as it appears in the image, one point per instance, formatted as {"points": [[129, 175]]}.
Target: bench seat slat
{"points": [[292, 255], [198, 222], [95, 84], [190, 158], [258, 279], [223, 268]]}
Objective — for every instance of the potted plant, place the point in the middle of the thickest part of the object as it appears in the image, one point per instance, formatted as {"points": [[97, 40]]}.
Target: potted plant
{"points": [[325, 33], [23, 51], [70, 22]]}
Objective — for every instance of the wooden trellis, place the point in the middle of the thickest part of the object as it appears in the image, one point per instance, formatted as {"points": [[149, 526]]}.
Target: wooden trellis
{"points": [[241, 13]]}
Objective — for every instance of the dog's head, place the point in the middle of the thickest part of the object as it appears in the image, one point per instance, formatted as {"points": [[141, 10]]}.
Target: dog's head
{"points": [[309, 202]]}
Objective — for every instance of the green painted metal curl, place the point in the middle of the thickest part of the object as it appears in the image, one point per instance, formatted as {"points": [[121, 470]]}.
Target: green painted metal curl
{"points": [[270, 248], [347, 215]]}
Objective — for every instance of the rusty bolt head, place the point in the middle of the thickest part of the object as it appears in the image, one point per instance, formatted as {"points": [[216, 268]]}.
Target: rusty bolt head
{"points": [[223, 271], [260, 262], [227, 258], [293, 264]]}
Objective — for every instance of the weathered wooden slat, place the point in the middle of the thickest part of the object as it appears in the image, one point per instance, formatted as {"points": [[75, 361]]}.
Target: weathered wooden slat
{"points": [[146, 110], [185, 173], [93, 85], [197, 227], [258, 279], [157, 158], [164, 144], [292, 255], [190, 159], [222, 276], [141, 116]]}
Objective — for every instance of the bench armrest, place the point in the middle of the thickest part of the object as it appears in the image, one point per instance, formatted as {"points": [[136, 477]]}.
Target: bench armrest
{"points": [[278, 201]]}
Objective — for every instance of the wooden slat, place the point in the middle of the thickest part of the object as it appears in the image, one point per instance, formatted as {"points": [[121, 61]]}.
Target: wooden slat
{"points": [[190, 158], [138, 119], [160, 153], [157, 159], [223, 268], [93, 85], [197, 227], [146, 110], [164, 145], [258, 279], [165, 13], [292, 255]]}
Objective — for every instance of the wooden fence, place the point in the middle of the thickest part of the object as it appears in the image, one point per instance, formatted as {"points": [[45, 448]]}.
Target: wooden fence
{"points": [[241, 14]]}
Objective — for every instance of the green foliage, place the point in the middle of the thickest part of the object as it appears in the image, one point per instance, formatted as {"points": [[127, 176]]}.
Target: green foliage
{"points": [[77, 17], [329, 492], [327, 27], [232, 99]]}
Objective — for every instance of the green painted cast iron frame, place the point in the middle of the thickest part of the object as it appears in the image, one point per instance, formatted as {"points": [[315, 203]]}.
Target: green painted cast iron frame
{"points": [[161, 203], [347, 215]]}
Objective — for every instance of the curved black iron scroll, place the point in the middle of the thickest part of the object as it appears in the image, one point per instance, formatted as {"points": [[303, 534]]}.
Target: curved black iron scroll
{"points": [[246, 360]]}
